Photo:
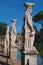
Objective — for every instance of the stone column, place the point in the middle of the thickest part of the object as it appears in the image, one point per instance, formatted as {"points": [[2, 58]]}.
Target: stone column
{"points": [[29, 55], [13, 38]]}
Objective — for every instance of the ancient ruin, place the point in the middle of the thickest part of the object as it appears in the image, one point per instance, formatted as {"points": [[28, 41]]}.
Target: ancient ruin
{"points": [[29, 54], [23, 43]]}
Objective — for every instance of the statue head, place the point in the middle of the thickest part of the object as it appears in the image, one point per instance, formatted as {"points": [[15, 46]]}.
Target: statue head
{"points": [[28, 7], [29, 10], [13, 21]]}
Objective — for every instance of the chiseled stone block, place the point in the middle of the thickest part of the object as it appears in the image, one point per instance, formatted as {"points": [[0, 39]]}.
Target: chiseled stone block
{"points": [[13, 53]]}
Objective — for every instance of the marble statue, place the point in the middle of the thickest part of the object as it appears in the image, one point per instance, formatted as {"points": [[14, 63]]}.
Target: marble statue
{"points": [[7, 36], [29, 54], [13, 32], [29, 30], [6, 40], [13, 39]]}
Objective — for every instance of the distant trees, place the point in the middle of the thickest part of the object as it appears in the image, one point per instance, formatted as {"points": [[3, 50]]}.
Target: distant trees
{"points": [[38, 17], [39, 36], [3, 27]]}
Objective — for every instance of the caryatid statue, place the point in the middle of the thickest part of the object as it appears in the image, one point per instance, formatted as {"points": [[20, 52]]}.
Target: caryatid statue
{"points": [[6, 40], [13, 32], [29, 30], [7, 36]]}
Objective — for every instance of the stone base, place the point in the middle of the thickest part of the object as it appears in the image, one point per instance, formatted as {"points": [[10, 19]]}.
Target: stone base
{"points": [[29, 57], [13, 54], [30, 51]]}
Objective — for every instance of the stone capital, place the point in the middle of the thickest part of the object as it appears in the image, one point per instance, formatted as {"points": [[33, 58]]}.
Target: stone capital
{"points": [[28, 6], [13, 20]]}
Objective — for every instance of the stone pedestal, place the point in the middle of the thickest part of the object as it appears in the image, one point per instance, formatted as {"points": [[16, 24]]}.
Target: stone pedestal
{"points": [[29, 57], [13, 52]]}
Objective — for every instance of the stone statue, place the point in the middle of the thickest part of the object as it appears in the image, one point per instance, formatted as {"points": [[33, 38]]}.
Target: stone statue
{"points": [[29, 30], [6, 40], [29, 54], [13, 39], [13, 32], [7, 36]]}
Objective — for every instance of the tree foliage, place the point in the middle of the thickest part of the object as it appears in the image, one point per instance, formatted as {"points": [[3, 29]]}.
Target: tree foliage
{"points": [[38, 17], [39, 36], [3, 28]]}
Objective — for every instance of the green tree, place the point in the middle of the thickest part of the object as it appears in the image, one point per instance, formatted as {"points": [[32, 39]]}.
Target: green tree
{"points": [[38, 18], [3, 28]]}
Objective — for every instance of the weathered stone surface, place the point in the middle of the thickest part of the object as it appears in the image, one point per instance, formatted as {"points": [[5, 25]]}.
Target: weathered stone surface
{"points": [[13, 32], [6, 40], [29, 54], [13, 38]]}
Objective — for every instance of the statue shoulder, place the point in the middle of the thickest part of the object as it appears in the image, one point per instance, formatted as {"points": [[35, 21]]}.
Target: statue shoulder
{"points": [[29, 16]]}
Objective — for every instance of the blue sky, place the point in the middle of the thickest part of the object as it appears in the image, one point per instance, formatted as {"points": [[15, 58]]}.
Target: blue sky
{"points": [[14, 9]]}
